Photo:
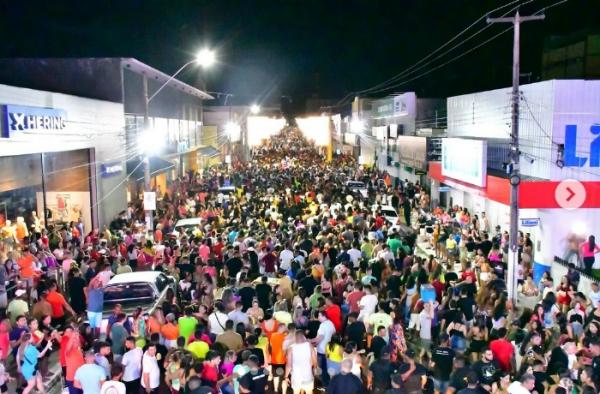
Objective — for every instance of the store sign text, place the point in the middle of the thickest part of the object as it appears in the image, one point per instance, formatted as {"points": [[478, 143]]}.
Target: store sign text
{"points": [[111, 169], [18, 118], [570, 153]]}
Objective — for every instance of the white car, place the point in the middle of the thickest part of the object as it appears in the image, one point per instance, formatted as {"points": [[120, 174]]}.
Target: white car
{"points": [[183, 225], [145, 289], [227, 191], [358, 187], [388, 212]]}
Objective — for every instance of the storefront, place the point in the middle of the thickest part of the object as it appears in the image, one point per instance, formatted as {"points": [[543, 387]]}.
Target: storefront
{"points": [[62, 160], [559, 192]]}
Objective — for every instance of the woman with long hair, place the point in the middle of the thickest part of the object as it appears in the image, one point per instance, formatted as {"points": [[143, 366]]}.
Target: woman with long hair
{"points": [[335, 354], [28, 355], [396, 331], [588, 251]]}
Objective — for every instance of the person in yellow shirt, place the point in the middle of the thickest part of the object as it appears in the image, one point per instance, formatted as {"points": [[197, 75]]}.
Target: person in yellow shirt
{"points": [[334, 353]]}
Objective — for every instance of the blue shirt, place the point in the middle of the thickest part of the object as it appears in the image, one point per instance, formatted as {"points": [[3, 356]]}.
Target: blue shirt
{"points": [[90, 376], [95, 300]]}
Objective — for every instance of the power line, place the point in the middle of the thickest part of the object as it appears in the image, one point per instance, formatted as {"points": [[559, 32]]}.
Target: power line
{"points": [[408, 70]]}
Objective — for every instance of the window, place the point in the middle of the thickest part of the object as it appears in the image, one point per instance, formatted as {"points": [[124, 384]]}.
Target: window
{"points": [[128, 291], [161, 282]]}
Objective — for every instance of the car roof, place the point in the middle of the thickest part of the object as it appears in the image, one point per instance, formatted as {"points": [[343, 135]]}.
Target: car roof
{"points": [[187, 222], [131, 277], [384, 207]]}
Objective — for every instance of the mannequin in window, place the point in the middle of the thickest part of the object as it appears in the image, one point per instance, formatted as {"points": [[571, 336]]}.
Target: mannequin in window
{"points": [[8, 233], [21, 231]]}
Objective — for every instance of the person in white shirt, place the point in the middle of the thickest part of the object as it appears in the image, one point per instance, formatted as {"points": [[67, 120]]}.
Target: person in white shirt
{"points": [[301, 359], [324, 334], [355, 256], [217, 319], [367, 304], [238, 316], [114, 385], [595, 295], [150, 370], [386, 254], [132, 365], [285, 258], [524, 385], [425, 318]]}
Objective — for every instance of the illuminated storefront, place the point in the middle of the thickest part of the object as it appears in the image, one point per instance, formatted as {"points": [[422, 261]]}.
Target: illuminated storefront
{"points": [[58, 164], [559, 192]]}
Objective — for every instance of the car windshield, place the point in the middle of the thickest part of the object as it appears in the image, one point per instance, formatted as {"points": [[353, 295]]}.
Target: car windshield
{"points": [[127, 291], [356, 184], [387, 212]]}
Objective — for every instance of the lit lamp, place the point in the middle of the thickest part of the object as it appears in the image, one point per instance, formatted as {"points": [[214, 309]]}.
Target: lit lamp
{"points": [[255, 109], [150, 142], [206, 58]]}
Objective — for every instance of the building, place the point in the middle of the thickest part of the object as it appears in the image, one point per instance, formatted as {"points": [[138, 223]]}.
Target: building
{"points": [[60, 154], [226, 129], [175, 114], [560, 149], [573, 56], [400, 131]]}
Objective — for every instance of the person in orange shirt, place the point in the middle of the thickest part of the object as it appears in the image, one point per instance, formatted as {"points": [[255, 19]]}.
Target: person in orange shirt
{"points": [[59, 304], [158, 235], [73, 357], [27, 268], [170, 331], [155, 321], [278, 357]]}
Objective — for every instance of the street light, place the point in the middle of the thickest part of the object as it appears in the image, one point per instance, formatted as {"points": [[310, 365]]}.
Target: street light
{"points": [[205, 58], [255, 109]]}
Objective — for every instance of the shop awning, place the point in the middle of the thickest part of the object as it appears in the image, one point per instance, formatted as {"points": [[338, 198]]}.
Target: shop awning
{"points": [[208, 151], [135, 168]]}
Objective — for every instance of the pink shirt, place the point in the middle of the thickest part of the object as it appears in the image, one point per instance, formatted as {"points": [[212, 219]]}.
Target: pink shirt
{"points": [[4, 345], [585, 249], [204, 252]]}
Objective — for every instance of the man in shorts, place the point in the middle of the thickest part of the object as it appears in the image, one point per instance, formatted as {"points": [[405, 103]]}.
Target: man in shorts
{"points": [[95, 305]]}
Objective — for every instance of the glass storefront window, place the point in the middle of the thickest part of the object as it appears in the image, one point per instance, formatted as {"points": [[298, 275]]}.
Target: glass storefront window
{"points": [[20, 184], [57, 183]]}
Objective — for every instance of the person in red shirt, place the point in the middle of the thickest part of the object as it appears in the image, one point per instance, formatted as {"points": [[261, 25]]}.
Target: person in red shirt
{"points": [[354, 297], [59, 304], [218, 249], [468, 273], [269, 261], [503, 351], [333, 313], [210, 372]]}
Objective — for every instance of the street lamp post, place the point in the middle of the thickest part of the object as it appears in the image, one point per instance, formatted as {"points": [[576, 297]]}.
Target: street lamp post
{"points": [[205, 58]]}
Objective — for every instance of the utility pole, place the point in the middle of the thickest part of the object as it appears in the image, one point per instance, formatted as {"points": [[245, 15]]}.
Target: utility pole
{"points": [[146, 160], [515, 177]]}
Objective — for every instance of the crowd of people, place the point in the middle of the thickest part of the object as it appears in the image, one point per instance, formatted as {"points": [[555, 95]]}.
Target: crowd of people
{"points": [[294, 282]]}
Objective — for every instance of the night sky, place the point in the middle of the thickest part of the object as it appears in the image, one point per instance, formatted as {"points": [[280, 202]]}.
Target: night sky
{"points": [[299, 48]]}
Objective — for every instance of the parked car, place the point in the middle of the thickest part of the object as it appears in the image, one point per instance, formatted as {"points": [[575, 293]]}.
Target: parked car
{"points": [[145, 289], [388, 212], [358, 188], [227, 191], [183, 225]]}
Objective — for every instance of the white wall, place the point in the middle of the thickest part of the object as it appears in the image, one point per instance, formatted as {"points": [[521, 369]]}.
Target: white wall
{"points": [[488, 115], [90, 124], [577, 102]]}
